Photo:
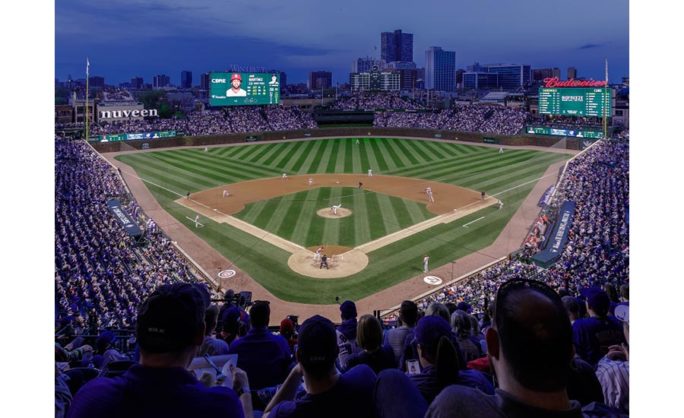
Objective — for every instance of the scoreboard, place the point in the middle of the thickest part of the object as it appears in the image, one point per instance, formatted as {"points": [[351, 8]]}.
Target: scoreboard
{"points": [[575, 101], [237, 89]]}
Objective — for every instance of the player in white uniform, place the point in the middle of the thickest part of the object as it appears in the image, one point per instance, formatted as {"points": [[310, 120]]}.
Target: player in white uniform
{"points": [[428, 192], [334, 208], [284, 177], [317, 254], [196, 221], [226, 193], [426, 259], [370, 172], [500, 150], [310, 181]]}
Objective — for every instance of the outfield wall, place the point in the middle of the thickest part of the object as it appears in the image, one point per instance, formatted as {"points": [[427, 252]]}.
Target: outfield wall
{"points": [[476, 138]]}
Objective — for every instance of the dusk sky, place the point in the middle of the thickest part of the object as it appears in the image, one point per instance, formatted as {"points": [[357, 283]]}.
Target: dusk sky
{"points": [[126, 38]]}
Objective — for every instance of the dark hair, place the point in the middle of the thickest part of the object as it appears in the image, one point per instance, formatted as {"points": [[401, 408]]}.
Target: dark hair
{"points": [[210, 318], [460, 324], [612, 293], [317, 346], [408, 313], [369, 333], [260, 314], [571, 306], [534, 333], [447, 362]]}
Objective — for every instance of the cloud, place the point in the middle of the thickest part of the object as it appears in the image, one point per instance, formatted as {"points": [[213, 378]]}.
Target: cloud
{"points": [[590, 46]]}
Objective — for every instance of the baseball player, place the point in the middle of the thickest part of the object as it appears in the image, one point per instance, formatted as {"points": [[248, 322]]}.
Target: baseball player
{"points": [[482, 195], [500, 204], [426, 259], [334, 208], [360, 185], [500, 150], [206, 149], [310, 181], [357, 141], [428, 192], [324, 262], [284, 177], [226, 193], [370, 172], [317, 254], [196, 221]]}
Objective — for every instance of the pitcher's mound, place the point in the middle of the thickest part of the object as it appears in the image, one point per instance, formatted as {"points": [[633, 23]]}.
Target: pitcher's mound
{"points": [[327, 213]]}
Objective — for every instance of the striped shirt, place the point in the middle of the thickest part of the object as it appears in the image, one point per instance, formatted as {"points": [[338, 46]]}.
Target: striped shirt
{"points": [[614, 378]]}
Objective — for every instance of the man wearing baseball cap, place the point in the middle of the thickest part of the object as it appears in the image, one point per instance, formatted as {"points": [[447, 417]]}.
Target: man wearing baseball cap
{"points": [[235, 90], [328, 394], [170, 329]]}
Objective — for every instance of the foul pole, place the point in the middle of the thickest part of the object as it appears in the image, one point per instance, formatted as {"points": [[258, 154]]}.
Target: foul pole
{"points": [[609, 101], [87, 130]]}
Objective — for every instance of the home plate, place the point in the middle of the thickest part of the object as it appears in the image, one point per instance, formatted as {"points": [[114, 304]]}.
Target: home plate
{"points": [[432, 280], [226, 274]]}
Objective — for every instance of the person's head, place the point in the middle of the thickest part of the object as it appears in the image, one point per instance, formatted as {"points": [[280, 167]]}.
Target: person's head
{"points": [[624, 292], [236, 80], [104, 341], [438, 309], [230, 320], [347, 310], [611, 292], [530, 340], [408, 313], [274, 78], [572, 307], [286, 328], [369, 333], [436, 348], [622, 313], [170, 324], [598, 303], [460, 323], [317, 347], [260, 314], [211, 318], [229, 296]]}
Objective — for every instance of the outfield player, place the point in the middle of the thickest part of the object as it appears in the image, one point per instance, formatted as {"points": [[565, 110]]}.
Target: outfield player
{"points": [[500, 150], [196, 221]]}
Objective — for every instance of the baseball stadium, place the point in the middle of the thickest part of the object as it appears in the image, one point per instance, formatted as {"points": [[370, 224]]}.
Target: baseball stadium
{"points": [[390, 247]]}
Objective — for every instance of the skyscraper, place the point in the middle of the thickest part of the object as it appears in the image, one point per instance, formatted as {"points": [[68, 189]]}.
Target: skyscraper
{"points": [[440, 67], [186, 79], [572, 73], [161, 80], [396, 46], [511, 76], [137, 83], [364, 65], [204, 81]]}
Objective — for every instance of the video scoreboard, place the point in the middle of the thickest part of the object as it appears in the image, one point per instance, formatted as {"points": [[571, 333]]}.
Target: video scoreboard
{"points": [[575, 101], [238, 89]]}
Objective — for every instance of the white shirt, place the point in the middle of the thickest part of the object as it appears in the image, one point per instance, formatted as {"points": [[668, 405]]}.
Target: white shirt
{"points": [[233, 93]]}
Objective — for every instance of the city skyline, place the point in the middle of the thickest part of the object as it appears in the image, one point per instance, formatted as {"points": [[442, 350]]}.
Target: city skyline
{"points": [[126, 38]]}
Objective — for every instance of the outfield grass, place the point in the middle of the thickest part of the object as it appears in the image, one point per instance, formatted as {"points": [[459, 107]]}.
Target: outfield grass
{"points": [[510, 176]]}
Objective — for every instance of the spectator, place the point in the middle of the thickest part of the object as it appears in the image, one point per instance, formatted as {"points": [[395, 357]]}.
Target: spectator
{"points": [[592, 336], [287, 331], [346, 333], [441, 361], [613, 368], [170, 328], [572, 307], [461, 326], [369, 338], [263, 356], [328, 394], [211, 345], [530, 348], [106, 353], [397, 337]]}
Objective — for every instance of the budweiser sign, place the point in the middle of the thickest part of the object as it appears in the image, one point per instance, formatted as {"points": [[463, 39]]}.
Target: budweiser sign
{"points": [[551, 82]]}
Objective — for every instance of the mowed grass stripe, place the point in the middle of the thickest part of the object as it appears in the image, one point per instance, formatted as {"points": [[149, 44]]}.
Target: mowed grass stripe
{"points": [[284, 156], [306, 153], [263, 150], [314, 158], [401, 213], [168, 166], [349, 156], [252, 211], [402, 145], [389, 218], [520, 176], [363, 156], [294, 155], [384, 150], [418, 151], [481, 167], [275, 155], [414, 211], [400, 159], [303, 218], [377, 227], [266, 213], [146, 169], [361, 226], [331, 227], [461, 165], [333, 157], [242, 151], [508, 171], [435, 151], [315, 234], [378, 157], [231, 167], [320, 164], [437, 164], [279, 214]]}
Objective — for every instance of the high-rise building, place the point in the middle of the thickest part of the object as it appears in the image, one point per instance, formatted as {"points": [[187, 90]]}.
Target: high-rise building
{"points": [[511, 76], [364, 65], [186, 79], [539, 74], [320, 80], [477, 80], [204, 81], [161, 80], [396, 46], [408, 73], [137, 83], [440, 67], [572, 73]]}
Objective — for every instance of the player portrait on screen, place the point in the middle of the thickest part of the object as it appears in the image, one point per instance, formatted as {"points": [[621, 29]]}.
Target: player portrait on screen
{"points": [[236, 90], [274, 80]]}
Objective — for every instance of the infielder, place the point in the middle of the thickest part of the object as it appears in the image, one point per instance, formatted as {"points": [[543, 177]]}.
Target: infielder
{"points": [[428, 192], [370, 172], [284, 177], [334, 208], [310, 181], [226, 193], [426, 259]]}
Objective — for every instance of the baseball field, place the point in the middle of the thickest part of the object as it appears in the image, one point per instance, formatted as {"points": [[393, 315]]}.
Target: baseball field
{"points": [[270, 226]]}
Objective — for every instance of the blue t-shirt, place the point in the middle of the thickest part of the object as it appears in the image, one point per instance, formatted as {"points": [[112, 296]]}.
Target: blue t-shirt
{"points": [[352, 396], [148, 392], [592, 337], [263, 356]]}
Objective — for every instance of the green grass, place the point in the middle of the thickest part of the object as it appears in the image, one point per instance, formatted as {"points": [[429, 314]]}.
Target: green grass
{"points": [[510, 176]]}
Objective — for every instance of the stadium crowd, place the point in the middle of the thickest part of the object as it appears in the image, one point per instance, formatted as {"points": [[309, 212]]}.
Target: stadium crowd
{"points": [[214, 122], [375, 101], [436, 361], [469, 118]]}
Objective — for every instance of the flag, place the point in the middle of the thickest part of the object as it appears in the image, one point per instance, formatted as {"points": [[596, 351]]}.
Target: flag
{"points": [[87, 66]]}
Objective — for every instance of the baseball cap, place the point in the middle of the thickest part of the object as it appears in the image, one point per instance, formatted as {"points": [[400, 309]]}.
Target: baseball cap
{"points": [[622, 313], [317, 342], [104, 340], [231, 320], [236, 76], [430, 329], [348, 309], [598, 301], [464, 306], [170, 318]]}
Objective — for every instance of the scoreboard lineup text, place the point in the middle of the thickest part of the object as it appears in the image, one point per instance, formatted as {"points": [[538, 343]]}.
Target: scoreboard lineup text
{"points": [[575, 101], [259, 89]]}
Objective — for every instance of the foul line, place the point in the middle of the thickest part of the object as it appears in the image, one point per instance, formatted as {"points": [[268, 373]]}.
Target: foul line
{"points": [[466, 225]]}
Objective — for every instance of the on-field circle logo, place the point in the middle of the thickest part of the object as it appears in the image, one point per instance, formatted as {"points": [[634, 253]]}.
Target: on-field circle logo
{"points": [[433, 280], [226, 274]]}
